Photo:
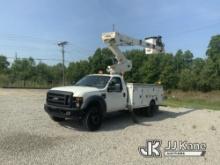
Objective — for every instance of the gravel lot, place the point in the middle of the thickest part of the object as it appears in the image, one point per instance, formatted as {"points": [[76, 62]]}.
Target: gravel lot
{"points": [[29, 136]]}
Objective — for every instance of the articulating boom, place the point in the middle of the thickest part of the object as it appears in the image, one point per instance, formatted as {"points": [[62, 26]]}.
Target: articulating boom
{"points": [[114, 40]]}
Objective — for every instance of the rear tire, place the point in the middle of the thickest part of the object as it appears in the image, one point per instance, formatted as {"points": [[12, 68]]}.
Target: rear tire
{"points": [[57, 119], [151, 110], [92, 121]]}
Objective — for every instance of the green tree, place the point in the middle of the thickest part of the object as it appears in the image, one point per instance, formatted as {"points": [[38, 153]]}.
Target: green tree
{"points": [[187, 59], [76, 70], [138, 58], [210, 75], [168, 75], [23, 69], [151, 68], [3, 64], [43, 74], [179, 61], [186, 81], [183, 60], [100, 60], [213, 51], [57, 73]]}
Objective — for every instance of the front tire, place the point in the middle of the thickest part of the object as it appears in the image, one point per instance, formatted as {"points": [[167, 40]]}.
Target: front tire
{"points": [[93, 119]]}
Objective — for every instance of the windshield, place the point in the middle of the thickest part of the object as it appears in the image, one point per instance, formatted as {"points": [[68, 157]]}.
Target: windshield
{"points": [[93, 81]]}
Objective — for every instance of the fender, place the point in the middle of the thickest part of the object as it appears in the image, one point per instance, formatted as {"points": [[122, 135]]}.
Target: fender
{"points": [[94, 100]]}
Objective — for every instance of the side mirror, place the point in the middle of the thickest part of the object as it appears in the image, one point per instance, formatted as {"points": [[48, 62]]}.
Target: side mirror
{"points": [[117, 87], [110, 89], [114, 88]]}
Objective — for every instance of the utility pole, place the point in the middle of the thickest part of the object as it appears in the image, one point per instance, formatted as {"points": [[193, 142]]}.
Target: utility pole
{"points": [[113, 27], [62, 44]]}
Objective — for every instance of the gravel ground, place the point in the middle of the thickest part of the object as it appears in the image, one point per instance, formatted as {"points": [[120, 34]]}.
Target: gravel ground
{"points": [[29, 136]]}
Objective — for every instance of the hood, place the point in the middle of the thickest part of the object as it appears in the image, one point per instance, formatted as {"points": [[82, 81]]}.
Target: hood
{"points": [[77, 90]]}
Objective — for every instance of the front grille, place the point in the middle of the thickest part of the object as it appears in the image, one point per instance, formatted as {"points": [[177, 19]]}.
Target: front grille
{"points": [[60, 98]]}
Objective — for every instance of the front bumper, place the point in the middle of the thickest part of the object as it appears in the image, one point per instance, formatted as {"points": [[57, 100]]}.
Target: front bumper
{"points": [[63, 112]]}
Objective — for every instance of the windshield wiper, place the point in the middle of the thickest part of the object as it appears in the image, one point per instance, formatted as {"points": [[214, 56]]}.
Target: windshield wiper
{"points": [[89, 85]]}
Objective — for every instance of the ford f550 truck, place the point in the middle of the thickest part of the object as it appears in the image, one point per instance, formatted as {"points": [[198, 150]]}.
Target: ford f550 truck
{"points": [[96, 94]]}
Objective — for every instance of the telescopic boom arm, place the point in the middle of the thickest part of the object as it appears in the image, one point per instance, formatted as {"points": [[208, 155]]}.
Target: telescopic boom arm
{"points": [[114, 40]]}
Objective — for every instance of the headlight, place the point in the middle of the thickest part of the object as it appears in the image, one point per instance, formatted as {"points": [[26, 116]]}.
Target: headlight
{"points": [[78, 101]]}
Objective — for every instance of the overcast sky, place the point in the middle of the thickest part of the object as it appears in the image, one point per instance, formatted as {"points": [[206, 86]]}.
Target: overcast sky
{"points": [[32, 27]]}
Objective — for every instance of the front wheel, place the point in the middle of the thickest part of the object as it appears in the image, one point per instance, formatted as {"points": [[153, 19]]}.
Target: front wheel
{"points": [[93, 119]]}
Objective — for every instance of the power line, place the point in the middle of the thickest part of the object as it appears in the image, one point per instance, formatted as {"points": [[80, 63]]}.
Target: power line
{"points": [[28, 47], [33, 38], [14, 37], [37, 59], [195, 29], [79, 47]]}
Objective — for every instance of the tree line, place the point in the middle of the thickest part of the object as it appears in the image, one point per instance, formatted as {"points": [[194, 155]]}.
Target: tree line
{"points": [[174, 71]]}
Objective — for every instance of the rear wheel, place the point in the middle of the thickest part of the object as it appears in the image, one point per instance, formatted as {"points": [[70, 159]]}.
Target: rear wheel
{"points": [[57, 119], [93, 119], [151, 110]]}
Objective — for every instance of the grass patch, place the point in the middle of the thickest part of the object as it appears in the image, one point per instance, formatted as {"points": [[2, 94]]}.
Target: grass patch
{"points": [[197, 100]]}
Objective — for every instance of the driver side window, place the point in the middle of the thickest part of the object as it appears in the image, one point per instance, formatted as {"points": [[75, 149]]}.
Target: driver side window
{"points": [[115, 85]]}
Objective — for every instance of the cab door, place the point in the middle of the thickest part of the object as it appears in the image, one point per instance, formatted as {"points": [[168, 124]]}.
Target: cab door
{"points": [[116, 98]]}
